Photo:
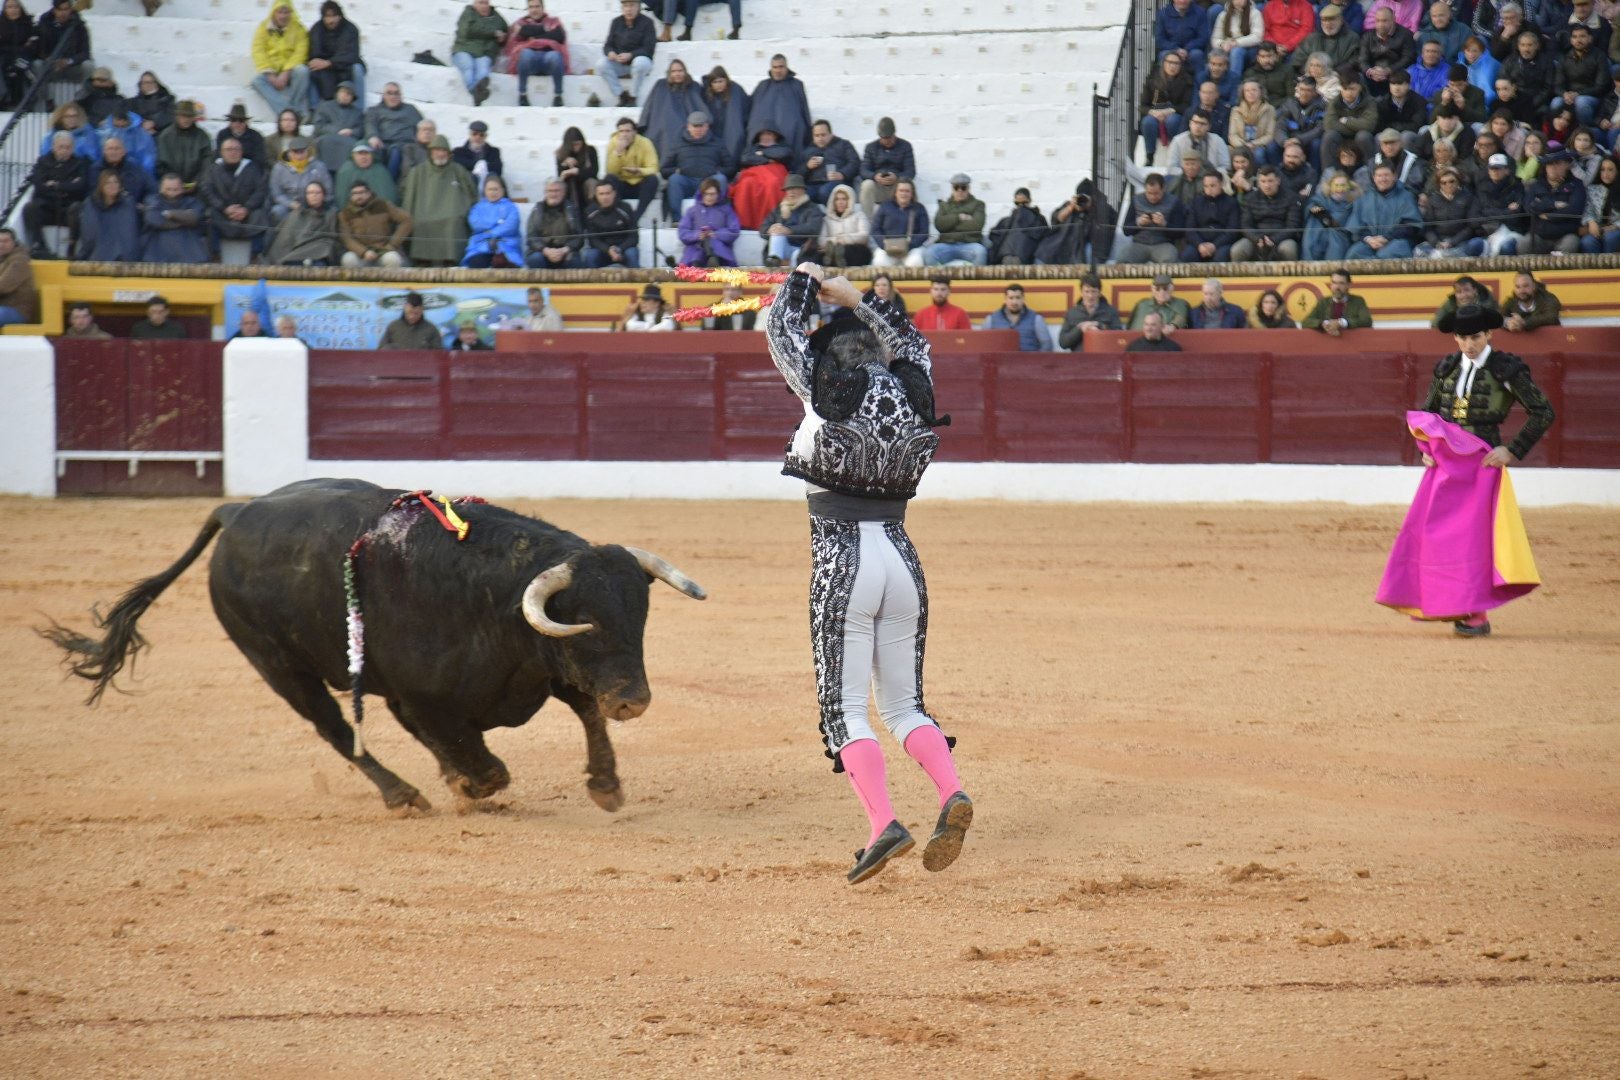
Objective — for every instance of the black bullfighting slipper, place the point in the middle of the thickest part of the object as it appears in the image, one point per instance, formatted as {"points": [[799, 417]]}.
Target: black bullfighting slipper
{"points": [[894, 840], [955, 817], [1464, 628]]}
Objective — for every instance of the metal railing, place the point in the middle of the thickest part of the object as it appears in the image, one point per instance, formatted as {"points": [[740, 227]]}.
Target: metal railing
{"points": [[24, 132]]}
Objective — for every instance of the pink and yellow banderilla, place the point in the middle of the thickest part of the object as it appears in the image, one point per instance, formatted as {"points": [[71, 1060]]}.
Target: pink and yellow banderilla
{"points": [[726, 275]]}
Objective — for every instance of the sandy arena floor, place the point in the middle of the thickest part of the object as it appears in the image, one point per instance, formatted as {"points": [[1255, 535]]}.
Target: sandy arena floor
{"points": [[1234, 820]]}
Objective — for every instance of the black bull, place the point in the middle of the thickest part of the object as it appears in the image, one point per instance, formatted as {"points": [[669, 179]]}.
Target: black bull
{"points": [[460, 637]]}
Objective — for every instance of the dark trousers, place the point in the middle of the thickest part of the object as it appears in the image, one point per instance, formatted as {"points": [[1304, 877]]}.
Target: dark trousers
{"points": [[644, 193], [40, 213]]}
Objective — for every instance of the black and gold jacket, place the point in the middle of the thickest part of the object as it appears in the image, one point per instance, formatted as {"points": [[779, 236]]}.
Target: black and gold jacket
{"points": [[1503, 380]]}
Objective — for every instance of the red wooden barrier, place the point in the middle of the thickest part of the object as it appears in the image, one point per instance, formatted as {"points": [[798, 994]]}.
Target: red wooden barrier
{"points": [[1423, 342]]}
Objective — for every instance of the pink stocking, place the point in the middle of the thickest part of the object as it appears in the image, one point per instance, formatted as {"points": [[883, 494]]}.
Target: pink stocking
{"points": [[927, 745], [863, 762]]}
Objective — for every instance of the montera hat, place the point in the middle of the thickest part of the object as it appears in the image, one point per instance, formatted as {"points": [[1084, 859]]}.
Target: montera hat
{"points": [[1470, 319]]}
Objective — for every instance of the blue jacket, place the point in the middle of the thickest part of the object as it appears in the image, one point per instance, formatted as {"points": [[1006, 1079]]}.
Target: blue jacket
{"points": [[498, 221], [1393, 214], [177, 238], [1032, 333], [1427, 82], [1174, 30], [85, 142], [1482, 73], [110, 233], [890, 220], [1230, 317], [141, 147]]}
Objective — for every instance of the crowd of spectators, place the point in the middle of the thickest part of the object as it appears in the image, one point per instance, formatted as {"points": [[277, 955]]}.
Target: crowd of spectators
{"points": [[1390, 129]]}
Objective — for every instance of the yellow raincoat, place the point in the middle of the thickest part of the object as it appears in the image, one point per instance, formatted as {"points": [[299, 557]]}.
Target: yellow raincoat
{"points": [[277, 50]]}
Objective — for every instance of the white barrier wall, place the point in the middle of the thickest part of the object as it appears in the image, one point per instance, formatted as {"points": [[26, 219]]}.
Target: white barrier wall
{"points": [[266, 445]]}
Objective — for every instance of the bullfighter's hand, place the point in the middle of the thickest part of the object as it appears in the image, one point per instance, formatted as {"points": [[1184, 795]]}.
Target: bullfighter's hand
{"points": [[1498, 457]]}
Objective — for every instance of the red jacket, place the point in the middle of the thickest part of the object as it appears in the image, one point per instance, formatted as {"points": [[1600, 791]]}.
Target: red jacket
{"points": [[934, 317], [1289, 22]]}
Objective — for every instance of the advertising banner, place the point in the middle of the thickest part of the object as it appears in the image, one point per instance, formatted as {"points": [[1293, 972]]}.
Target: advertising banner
{"points": [[338, 315]]}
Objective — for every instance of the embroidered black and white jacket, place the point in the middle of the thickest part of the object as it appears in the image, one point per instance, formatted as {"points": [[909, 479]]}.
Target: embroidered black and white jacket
{"points": [[879, 447]]}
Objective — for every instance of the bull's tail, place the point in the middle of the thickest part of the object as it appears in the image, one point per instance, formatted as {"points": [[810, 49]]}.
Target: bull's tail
{"points": [[99, 661]]}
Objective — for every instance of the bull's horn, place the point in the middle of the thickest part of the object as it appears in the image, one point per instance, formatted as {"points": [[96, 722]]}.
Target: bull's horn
{"points": [[666, 573], [546, 584]]}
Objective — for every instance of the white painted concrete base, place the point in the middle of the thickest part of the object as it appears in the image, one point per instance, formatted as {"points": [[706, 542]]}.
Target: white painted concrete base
{"points": [[27, 416]]}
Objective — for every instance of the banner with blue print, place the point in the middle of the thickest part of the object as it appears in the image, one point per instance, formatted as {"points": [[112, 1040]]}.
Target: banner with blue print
{"points": [[344, 316]]}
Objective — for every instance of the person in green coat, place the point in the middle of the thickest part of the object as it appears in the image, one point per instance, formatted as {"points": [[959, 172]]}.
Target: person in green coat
{"points": [[438, 193], [364, 168], [1339, 310], [480, 32], [183, 148]]}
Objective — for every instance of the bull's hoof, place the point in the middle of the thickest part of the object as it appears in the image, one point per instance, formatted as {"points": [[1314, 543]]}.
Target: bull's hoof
{"points": [[465, 787], [611, 800], [405, 801]]}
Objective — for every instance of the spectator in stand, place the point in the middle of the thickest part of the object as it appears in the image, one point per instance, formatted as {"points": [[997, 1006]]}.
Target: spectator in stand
{"points": [[1402, 109], [1586, 156], [1461, 95], [1327, 212], [577, 168], [1187, 184], [1350, 117], [109, 223], [133, 140], [1319, 67], [411, 330], [960, 224], [886, 162], [1582, 77], [1509, 132], [1207, 144], [1608, 115], [1216, 312], [689, 8], [1270, 221], [1082, 229], [632, 165], [1428, 75], [1253, 124], [1408, 14], [480, 33], [153, 104], [1182, 27], [391, 126], [496, 229], [1384, 222], [100, 96], [296, 170], [940, 313], [172, 221], [1482, 68], [1556, 202], [338, 124], [1236, 30], [829, 162], [1165, 303], [1473, 170], [1500, 24], [1274, 76], [1218, 70], [281, 58], [742, 320], [1532, 305], [438, 194], [1270, 313], [1209, 102], [18, 36], [900, 229], [709, 228], [728, 104], [1500, 199], [236, 193], [541, 316], [556, 232], [1341, 44], [62, 21], [1385, 47], [81, 323], [780, 103], [19, 296], [361, 168], [287, 128], [1289, 23], [1450, 221], [1153, 225], [1528, 166], [239, 126], [1301, 118], [308, 234], [334, 56], [1166, 94], [1015, 238], [372, 230], [649, 313], [610, 231], [792, 226], [697, 157], [1213, 219], [133, 180], [883, 288], [480, 159], [1446, 127], [415, 152], [1465, 290], [1559, 125], [60, 181], [1533, 72], [846, 234], [1153, 329], [1013, 314], [69, 118], [468, 337], [1340, 310], [157, 326], [1600, 225], [1409, 170], [760, 173], [1443, 27], [628, 50], [1296, 173], [536, 44], [1092, 313], [665, 109]]}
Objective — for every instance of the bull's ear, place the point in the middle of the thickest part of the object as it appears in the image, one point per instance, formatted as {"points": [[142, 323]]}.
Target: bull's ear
{"points": [[660, 570]]}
